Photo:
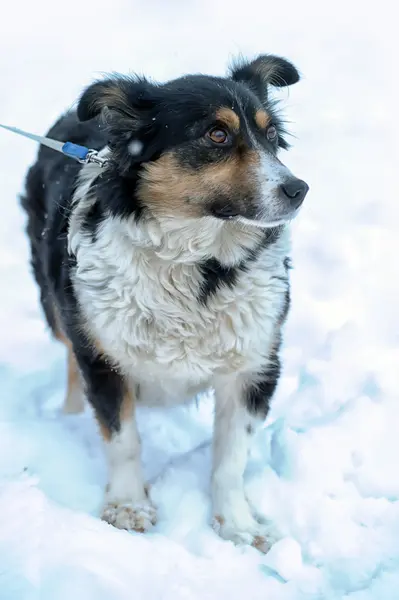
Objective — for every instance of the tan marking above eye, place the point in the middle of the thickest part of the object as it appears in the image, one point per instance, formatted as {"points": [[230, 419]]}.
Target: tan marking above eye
{"points": [[262, 119], [229, 118]]}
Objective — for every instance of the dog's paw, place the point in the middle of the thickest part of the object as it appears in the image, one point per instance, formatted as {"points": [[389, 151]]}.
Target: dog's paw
{"points": [[133, 517], [251, 533]]}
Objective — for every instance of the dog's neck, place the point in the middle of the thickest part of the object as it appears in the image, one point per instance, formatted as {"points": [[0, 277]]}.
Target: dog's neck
{"points": [[194, 240]]}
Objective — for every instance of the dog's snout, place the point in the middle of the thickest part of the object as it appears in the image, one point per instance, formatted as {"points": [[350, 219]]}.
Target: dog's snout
{"points": [[295, 191]]}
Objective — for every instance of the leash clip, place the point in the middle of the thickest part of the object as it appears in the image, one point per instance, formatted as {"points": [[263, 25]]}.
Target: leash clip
{"points": [[92, 157], [82, 154]]}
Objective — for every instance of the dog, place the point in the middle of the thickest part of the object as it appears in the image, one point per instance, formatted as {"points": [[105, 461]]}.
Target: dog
{"points": [[165, 272]]}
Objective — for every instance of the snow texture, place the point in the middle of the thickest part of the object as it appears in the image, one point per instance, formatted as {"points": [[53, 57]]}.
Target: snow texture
{"points": [[324, 469]]}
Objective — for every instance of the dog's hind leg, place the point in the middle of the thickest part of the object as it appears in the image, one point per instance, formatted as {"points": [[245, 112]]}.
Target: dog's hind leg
{"points": [[34, 204], [74, 398]]}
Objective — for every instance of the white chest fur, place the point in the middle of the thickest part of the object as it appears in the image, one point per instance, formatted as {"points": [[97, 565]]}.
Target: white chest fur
{"points": [[140, 300]]}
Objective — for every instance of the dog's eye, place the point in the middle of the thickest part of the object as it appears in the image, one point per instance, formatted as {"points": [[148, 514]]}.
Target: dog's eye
{"points": [[218, 135], [271, 133]]}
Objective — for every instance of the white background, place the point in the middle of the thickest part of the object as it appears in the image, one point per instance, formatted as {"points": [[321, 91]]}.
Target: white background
{"points": [[325, 469]]}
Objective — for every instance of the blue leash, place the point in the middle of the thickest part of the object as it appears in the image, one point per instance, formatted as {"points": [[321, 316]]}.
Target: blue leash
{"points": [[80, 153]]}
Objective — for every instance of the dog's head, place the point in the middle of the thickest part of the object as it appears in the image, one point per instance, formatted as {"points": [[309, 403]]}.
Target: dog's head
{"points": [[201, 145]]}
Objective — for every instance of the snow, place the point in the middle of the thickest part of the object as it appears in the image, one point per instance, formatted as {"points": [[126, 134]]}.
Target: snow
{"points": [[324, 470], [135, 147]]}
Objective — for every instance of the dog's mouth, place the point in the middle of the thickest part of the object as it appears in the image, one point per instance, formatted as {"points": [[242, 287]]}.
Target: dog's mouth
{"points": [[228, 213], [277, 207], [266, 224]]}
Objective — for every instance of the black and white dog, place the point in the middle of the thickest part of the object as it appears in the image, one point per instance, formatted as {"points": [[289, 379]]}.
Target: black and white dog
{"points": [[166, 271]]}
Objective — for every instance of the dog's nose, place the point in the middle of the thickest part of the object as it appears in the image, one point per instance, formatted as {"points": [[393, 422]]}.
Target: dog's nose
{"points": [[295, 190]]}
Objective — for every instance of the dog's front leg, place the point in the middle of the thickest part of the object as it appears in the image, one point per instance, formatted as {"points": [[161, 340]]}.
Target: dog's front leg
{"points": [[240, 407], [127, 505]]}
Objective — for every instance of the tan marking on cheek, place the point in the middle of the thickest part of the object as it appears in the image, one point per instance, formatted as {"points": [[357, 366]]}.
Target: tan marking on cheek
{"points": [[235, 180], [229, 117], [251, 159], [221, 173], [169, 189], [262, 119]]}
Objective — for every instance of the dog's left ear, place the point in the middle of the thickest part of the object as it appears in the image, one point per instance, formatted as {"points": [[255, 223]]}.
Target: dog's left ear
{"points": [[126, 105], [264, 71], [126, 96]]}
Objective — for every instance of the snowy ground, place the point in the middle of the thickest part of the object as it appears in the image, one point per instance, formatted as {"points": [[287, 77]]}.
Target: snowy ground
{"points": [[325, 468]]}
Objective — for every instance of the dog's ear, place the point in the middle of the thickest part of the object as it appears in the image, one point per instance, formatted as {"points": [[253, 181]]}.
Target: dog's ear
{"points": [[127, 107], [264, 71], [123, 95]]}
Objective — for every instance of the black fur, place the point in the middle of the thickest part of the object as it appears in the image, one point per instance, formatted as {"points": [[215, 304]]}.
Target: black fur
{"points": [[105, 388], [264, 71], [287, 304], [132, 108], [258, 395], [116, 195], [93, 219], [215, 275]]}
